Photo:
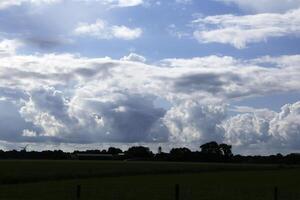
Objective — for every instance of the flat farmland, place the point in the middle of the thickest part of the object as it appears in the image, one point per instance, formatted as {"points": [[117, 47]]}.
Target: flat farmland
{"points": [[145, 180]]}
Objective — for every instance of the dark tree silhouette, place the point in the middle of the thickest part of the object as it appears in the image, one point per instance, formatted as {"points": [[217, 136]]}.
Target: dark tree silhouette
{"points": [[114, 151], [139, 152], [211, 148], [180, 154], [210, 152], [226, 150]]}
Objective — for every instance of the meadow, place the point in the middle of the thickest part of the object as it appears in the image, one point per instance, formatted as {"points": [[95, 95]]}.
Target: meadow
{"points": [[145, 180]]}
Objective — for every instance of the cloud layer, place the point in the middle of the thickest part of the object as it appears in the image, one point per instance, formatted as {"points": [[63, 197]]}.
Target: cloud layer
{"points": [[4, 4], [239, 31], [72, 99], [8, 3], [265, 5]]}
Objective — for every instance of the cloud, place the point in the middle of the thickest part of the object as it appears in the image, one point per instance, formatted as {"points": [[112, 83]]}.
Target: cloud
{"points": [[8, 3], [265, 128], [184, 1], [11, 122], [228, 78], [173, 31], [209, 82], [128, 3], [123, 32], [87, 120], [65, 98], [286, 127], [114, 113], [119, 3], [265, 5], [134, 57], [101, 30], [46, 42], [9, 47], [191, 122], [239, 31], [249, 128]]}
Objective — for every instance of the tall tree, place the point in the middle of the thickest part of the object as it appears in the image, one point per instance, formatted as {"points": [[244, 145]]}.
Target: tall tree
{"points": [[226, 150], [114, 151], [139, 152], [211, 148]]}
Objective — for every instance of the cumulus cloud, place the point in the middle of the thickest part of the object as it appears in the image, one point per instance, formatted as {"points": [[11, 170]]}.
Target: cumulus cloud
{"points": [[101, 30], [64, 98], [286, 127], [11, 122], [249, 128], [265, 129], [113, 116], [239, 31], [265, 5], [193, 122], [134, 57], [46, 108]]}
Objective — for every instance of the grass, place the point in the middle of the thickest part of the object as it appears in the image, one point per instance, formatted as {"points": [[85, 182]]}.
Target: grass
{"points": [[22, 171], [151, 180]]}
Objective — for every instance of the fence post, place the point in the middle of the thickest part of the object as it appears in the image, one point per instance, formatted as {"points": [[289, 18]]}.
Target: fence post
{"points": [[78, 191], [276, 193], [177, 192]]}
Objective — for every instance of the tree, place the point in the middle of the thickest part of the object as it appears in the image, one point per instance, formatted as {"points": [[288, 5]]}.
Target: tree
{"points": [[114, 151], [180, 153], [139, 152], [211, 148], [226, 150]]}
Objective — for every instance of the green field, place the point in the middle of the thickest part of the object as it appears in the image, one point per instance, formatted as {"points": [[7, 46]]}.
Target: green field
{"points": [[145, 180]]}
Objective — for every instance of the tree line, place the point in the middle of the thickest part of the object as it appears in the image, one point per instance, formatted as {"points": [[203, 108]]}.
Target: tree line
{"points": [[208, 152]]}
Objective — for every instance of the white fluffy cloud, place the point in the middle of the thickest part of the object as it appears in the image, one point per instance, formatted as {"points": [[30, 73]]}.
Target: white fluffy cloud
{"points": [[266, 128], [101, 30], [72, 99], [242, 30], [193, 122], [265, 5], [134, 57]]}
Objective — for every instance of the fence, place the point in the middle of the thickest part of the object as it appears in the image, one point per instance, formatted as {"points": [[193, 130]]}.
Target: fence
{"points": [[170, 192]]}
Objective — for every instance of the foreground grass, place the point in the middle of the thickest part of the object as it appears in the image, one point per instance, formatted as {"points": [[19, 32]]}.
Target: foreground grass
{"points": [[151, 180], [22, 171], [241, 185]]}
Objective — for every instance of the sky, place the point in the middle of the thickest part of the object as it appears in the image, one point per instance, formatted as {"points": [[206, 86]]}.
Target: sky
{"points": [[84, 74]]}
